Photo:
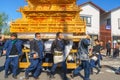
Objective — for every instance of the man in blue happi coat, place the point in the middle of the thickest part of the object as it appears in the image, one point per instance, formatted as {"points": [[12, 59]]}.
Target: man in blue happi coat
{"points": [[83, 56], [12, 49], [59, 45], [36, 56], [96, 52]]}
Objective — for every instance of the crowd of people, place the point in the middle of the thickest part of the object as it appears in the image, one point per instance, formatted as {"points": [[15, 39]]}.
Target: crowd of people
{"points": [[90, 58]]}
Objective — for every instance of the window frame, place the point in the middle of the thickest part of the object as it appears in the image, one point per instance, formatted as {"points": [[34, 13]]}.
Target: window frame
{"points": [[108, 23], [88, 20], [118, 23]]}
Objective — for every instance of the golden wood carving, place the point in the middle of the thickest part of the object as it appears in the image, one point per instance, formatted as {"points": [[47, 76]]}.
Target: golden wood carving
{"points": [[49, 16]]}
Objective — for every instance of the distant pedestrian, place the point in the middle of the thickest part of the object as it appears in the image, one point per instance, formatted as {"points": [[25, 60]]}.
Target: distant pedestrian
{"points": [[108, 47], [116, 51], [12, 49]]}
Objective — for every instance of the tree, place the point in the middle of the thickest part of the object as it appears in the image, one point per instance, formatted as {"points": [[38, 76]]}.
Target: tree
{"points": [[3, 18], [6, 31]]}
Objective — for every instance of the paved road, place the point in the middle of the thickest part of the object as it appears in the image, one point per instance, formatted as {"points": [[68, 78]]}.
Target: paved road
{"points": [[107, 72]]}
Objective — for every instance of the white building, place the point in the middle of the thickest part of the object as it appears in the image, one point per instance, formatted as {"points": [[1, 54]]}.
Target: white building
{"points": [[91, 13], [111, 20], [115, 23]]}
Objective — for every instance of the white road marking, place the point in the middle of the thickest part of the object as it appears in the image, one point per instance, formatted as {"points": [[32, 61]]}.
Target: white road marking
{"points": [[110, 71]]}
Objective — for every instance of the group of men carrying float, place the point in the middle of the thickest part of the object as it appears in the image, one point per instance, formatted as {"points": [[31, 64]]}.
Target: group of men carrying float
{"points": [[13, 50]]}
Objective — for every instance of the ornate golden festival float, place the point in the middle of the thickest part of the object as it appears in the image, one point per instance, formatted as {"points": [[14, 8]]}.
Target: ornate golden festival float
{"points": [[49, 17]]}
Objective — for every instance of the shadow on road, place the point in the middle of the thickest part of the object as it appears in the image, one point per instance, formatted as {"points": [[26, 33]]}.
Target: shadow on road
{"points": [[109, 67], [1, 68]]}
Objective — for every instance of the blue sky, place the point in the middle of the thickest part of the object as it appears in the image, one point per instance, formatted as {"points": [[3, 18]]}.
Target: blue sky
{"points": [[10, 6]]}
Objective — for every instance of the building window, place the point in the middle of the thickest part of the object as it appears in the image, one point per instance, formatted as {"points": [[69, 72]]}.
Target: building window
{"points": [[108, 22], [87, 19], [118, 23]]}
